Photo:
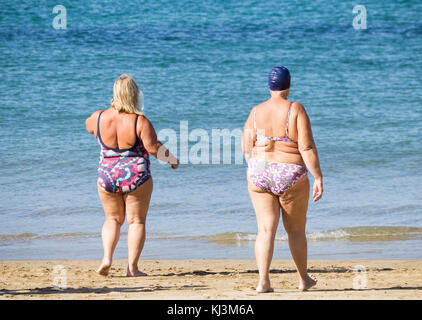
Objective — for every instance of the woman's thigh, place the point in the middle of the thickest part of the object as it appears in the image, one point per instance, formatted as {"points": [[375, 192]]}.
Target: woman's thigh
{"points": [[113, 205], [137, 202], [267, 208], [294, 205]]}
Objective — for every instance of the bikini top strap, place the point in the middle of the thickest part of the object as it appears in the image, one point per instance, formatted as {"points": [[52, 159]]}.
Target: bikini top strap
{"points": [[254, 119], [136, 131], [98, 124], [287, 121]]}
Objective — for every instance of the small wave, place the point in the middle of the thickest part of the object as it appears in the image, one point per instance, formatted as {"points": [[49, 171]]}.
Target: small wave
{"points": [[32, 236], [18, 236], [70, 235], [362, 233]]}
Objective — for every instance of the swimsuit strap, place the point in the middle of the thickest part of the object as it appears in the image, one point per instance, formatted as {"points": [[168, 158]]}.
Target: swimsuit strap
{"points": [[98, 125], [136, 132], [287, 126], [287, 122]]}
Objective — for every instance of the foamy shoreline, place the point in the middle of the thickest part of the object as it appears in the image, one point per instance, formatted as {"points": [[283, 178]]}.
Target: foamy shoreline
{"points": [[209, 279]]}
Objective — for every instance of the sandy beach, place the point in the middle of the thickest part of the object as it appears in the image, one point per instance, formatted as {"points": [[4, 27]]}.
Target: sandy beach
{"points": [[208, 279]]}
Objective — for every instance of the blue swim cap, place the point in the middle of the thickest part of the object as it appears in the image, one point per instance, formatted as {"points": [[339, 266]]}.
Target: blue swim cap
{"points": [[279, 78]]}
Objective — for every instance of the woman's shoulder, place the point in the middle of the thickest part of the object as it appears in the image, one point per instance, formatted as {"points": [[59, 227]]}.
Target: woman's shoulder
{"points": [[143, 123], [142, 119], [259, 106], [91, 122], [96, 114], [297, 107]]}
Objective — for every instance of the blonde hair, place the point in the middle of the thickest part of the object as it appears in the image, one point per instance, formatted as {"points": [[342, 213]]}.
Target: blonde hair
{"points": [[127, 97]]}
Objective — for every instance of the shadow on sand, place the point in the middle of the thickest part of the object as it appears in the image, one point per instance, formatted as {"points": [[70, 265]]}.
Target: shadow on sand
{"points": [[103, 290], [274, 271]]}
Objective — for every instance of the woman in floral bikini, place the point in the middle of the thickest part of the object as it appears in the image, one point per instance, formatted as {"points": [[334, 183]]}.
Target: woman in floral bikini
{"points": [[277, 175]]}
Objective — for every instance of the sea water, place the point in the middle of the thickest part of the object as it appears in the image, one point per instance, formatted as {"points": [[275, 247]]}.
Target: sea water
{"points": [[205, 63]]}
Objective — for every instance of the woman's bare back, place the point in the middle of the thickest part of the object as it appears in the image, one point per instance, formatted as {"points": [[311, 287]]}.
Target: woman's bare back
{"points": [[118, 129], [271, 121]]}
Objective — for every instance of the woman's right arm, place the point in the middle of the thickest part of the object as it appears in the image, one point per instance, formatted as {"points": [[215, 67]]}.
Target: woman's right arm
{"points": [[248, 137], [91, 123], [154, 146], [308, 150]]}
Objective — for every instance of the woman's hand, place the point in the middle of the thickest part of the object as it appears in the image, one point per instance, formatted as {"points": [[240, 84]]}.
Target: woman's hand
{"points": [[318, 189], [174, 166]]}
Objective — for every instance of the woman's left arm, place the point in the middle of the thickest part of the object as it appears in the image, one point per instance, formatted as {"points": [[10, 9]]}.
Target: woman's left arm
{"points": [[91, 123]]}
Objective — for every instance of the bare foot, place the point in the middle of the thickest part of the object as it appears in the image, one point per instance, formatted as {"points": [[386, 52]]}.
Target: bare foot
{"points": [[309, 283], [136, 273], [104, 269], [264, 287]]}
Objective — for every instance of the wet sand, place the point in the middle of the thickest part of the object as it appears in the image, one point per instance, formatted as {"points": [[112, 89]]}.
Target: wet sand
{"points": [[208, 279]]}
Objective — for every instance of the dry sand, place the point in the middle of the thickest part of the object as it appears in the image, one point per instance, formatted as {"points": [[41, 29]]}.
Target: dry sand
{"points": [[207, 279]]}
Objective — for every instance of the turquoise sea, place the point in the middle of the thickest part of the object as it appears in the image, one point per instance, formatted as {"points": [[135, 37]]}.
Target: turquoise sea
{"points": [[206, 62]]}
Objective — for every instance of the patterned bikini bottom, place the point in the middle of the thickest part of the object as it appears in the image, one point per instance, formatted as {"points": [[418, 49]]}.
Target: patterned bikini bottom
{"points": [[274, 177]]}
